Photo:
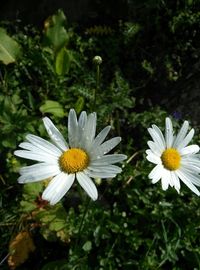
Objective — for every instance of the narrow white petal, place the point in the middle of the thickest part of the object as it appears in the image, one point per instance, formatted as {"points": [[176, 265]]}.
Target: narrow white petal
{"points": [[165, 181], [156, 173], [82, 119], [107, 168], [108, 159], [37, 172], [188, 150], [55, 134], [190, 174], [155, 148], [181, 135], [168, 132], [175, 180], [87, 184], [35, 156], [186, 140], [51, 157], [157, 139], [99, 174], [160, 135], [100, 138], [73, 129], [105, 148], [58, 187], [187, 182], [153, 158], [44, 145]]}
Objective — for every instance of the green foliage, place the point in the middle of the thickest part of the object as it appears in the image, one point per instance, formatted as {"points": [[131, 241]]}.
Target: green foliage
{"points": [[133, 224], [9, 48]]}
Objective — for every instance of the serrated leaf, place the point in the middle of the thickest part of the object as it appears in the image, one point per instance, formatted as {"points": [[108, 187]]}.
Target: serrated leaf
{"points": [[9, 48], [52, 107]]}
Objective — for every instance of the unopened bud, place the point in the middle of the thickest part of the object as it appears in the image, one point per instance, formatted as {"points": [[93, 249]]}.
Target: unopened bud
{"points": [[97, 60]]}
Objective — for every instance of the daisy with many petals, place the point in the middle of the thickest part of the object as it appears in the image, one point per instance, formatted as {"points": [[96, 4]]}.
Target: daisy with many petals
{"points": [[174, 159], [83, 157]]}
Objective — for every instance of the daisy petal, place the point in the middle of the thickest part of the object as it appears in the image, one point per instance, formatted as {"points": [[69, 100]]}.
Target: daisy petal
{"points": [[187, 182], [34, 156], [186, 140], [154, 148], [168, 132], [82, 119], [175, 180], [87, 184], [73, 129], [182, 133], [99, 174], [188, 150], [37, 172], [153, 158], [156, 173], [165, 179], [108, 159], [55, 134], [58, 187], [157, 139], [100, 138], [109, 168], [105, 148], [44, 145]]}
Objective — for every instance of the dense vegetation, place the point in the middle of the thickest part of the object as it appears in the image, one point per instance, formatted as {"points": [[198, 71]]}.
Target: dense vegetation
{"points": [[149, 71]]}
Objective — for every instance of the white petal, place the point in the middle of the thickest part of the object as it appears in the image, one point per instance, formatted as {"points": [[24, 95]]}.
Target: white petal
{"points": [[156, 173], [188, 150], [44, 145], [82, 119], [175, 180], [159, 133], [181, 135], [89, 130], [186, 140], [87, 184], [73, 129], [49, 157], [187, 182], [157, 139], [194, 177], [107, 168], [58, 187], [100, 138], [101, 174], [165, 180], [108, 159], [168, 132], [155, 148], [55, 134], [105, 148], [35, 156], [37, 172], [153, 158]]}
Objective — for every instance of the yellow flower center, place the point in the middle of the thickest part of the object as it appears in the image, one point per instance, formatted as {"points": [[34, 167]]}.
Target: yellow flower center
{"points": [[73, 160], [171, 159]]}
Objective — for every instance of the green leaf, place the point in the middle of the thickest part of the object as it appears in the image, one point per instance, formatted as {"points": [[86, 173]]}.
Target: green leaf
{"points": [[56, 34], [63, 60], [87, 246], [56, 265], [9, 48], [53, 107]]}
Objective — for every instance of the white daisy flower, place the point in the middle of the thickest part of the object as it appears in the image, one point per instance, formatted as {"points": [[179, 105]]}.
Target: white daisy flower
{"points": [[84, 157], [174, 160]]}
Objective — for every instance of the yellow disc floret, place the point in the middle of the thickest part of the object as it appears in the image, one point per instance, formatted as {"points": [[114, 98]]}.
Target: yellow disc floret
{"points": [[171, 159], [73, 160]]}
